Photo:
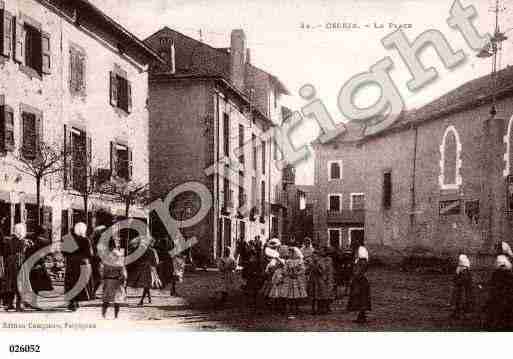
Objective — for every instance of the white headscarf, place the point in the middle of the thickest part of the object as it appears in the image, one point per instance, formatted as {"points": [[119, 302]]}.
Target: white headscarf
{"points": [[506, 249], [463, 262], [80, 229], [363, 253], [20, 230], [503, 262]]}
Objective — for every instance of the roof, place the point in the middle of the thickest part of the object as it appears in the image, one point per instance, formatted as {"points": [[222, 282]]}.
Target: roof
{"points": [[94, 13]]}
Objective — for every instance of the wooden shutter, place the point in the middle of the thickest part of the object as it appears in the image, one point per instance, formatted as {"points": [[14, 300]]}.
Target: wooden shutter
{"points": [[129, 96], [39, 133], [130, 164], [113, 159], [113, 89], [2, 128], [68, 163], [19, 41], [46, 55], [89, 157], [6, 29]]}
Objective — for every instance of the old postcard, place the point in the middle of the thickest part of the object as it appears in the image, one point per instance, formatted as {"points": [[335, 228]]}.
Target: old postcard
{"points": [[224, 166]]}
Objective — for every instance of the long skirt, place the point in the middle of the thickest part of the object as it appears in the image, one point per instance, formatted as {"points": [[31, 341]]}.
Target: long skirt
{"points": [[359, 295], [113, 291], [71, 278], [40, 279], [228, 281], [294, 288]]}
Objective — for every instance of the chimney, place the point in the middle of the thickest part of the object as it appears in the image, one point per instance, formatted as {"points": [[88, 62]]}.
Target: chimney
{"points": [[248, 56], [238, 58], [171, 60]]}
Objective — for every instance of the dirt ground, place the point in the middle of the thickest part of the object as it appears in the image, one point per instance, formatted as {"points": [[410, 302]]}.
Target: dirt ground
{"points": [[401, 302]]}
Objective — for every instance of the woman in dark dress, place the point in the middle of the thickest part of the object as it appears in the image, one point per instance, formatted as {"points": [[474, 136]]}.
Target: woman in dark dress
{"points": [[143, 273], [39, 278], [359, 290], [81, 257], [499, 307]]}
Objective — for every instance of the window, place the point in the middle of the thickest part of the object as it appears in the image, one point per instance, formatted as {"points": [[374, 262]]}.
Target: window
{"points": [[262, 198], [31, 133], [6, 128], [226, 134], [334, 170], [120, 90], [77, 80], [253, 192], [357, 201], [335, 202], [334, 237], [227, 198], [275, 230], [253, 142], [356, 237], [242, 194], [31, 45], [242, 230], [121, 160], [241, 143], [5, 33], [79, 161], [387, 190], [263, 157], [450, 162]]}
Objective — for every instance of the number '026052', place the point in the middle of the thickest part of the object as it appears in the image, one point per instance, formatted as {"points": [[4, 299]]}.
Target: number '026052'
{"points": [[27, 348]]}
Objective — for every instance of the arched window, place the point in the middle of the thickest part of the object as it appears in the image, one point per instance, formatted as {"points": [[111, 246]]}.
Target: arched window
{"points": [[508, 156], [450, 160]]}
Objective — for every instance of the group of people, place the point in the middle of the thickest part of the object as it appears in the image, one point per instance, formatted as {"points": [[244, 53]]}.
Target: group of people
{"points": [[498, 308], [155, 268], [287, 276]]}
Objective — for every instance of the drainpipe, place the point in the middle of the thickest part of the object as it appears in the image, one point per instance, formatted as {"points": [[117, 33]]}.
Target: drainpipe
{"points": [[413, 175]]}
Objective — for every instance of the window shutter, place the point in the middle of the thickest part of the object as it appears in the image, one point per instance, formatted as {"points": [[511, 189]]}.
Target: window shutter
{"points": [[89, 157], [67, 158], [129, 96], [113, 89], [81, 64], [46, 55], [19, 41], [6, 28], [130, 164], [39, 133], [113, 159], [3, 131]]}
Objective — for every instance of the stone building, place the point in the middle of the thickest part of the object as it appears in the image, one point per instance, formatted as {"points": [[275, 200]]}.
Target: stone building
{"points": [[205, 105], [73, 78], [440, 177]]}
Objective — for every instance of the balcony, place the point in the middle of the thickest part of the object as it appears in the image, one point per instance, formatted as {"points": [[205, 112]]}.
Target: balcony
{"points": [[346, 216]]}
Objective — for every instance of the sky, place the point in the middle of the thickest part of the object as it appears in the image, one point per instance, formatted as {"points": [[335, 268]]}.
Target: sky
{"points": [[322, 55]]}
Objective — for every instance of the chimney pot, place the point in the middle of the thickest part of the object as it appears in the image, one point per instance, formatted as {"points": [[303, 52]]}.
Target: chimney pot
{"points": [[238, 58]]}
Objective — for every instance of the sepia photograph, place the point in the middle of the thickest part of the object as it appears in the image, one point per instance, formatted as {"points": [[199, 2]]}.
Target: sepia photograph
{"points": [[254, 166]]}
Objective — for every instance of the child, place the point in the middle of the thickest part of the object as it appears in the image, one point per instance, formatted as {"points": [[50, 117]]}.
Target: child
{"points": [[321, 282], [114, 277], [277, 291], [359, 290], [227, 267], [499, 310], [294, 280], [462, 292], [178, 271]]}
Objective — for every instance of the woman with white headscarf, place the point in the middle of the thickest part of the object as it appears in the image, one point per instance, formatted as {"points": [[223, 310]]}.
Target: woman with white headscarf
{"points": [[14, 254], [462, 294], [77, 261], [359, 289]]}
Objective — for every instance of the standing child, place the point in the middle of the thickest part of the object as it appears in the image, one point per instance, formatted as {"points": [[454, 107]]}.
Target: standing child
{"points": [[114, 275], [321, 282], [359, 289], [294, 281], [462, 291], [277, 292], [178, 271], [227, 267]]}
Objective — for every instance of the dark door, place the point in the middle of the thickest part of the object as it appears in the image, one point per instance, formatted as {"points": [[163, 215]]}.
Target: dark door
{"points": [[357, 237]]}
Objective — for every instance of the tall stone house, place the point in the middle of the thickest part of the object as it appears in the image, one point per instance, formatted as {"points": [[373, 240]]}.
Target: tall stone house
{"points": [[205, 105], [73, 78]]}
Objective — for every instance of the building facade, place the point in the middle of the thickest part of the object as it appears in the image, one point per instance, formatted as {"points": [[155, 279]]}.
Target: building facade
{"points": [[209, 109], [440, 177], [71, 78]]}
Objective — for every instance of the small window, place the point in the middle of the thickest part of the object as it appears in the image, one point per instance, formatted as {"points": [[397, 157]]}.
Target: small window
{"points": [[335, 203], [226, 134], [263, 157], [6, 128], [30, 135], [120, 91], [33, 49], [121, 161], [77, 81], [335, 170], [334, 237], [241, 143], [262, 198], [357, 201], [227, 193], [387, 190], [5, 33], [253, 142], [79, 160]]}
